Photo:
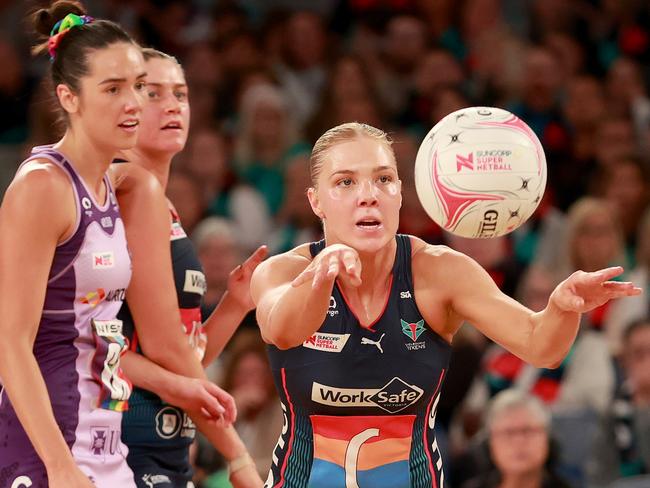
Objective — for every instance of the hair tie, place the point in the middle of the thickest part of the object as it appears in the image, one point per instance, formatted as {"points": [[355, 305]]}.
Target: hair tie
{"points": [[61, 28]]}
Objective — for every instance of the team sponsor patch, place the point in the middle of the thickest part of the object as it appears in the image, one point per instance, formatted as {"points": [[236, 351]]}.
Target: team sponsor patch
{"points": [[172, 422], [103, 260], [195, 282], [322, 341], [152, 480], [393, 397], [177, 232]]}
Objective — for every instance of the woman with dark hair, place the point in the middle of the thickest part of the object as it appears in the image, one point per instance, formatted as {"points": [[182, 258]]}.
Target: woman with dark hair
{"points": [[65, 266]]}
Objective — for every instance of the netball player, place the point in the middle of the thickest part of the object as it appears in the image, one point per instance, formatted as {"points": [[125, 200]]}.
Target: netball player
{"points": [[360, 326], [62, 252], [157, 432]]}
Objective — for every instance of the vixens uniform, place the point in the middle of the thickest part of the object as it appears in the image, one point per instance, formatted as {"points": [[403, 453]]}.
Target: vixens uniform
{"points": [[159, 435], [360, 403], [78, 347]]}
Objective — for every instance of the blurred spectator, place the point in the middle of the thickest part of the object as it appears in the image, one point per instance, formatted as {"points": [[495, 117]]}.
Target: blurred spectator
{"points": [[404, 47], [622, 447], [302, 69], [247, 376], [185, 191], [296, 222], [16, 89], [518, 430], [216, 246], [625, 185], [630, 309], [348, 88], [615, 139], [206, 159], [266, 143]]}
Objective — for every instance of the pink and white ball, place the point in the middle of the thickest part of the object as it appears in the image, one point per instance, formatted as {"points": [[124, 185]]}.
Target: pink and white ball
{"points": [[480, 172]]}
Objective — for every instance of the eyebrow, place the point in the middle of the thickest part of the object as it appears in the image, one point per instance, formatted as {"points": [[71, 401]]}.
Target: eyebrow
{"points": [[374, 170], [120, 80], [160, 85]]}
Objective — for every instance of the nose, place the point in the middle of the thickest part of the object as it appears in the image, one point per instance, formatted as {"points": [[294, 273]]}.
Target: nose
{"points": [[172, 105], [367, 196], [133, 102]]}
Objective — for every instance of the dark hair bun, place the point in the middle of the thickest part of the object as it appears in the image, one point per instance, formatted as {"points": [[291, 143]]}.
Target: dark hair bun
{"points": [[44, 19]]}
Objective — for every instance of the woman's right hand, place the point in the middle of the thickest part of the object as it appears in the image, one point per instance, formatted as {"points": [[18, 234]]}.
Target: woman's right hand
{"points": [[199, 395], [337, 260], [69, 477]]}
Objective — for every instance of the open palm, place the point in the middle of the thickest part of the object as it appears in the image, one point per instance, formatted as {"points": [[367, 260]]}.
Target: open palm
{"points": [[582, 292]]}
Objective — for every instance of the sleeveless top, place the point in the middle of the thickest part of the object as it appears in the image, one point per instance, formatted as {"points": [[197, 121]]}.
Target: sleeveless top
{"points": [[360, 403], [78, 345], [151, 423]]}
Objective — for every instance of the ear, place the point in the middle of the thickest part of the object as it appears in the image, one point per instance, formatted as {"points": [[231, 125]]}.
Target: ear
{"points": [[67, 98], [312, 195]]}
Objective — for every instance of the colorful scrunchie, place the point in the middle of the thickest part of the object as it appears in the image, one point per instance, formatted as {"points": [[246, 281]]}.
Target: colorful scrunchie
{"points": [[61, 28]]}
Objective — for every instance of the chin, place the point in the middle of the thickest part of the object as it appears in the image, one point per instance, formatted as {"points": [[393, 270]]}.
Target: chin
{"points": [[367, 244]]}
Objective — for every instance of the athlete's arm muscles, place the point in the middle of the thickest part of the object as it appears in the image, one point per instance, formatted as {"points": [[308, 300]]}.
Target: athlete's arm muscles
{"points": [[288, 315], [151, 293], [235, 303], [541, 339], [37, 212]]}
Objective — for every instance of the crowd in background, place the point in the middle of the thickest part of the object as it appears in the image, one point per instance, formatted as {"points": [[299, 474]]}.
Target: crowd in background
{"points": [[266, 78]]}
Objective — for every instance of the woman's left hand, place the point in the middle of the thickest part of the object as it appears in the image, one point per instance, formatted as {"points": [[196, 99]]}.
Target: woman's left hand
{"points": [[239, 280], [582, 292]]}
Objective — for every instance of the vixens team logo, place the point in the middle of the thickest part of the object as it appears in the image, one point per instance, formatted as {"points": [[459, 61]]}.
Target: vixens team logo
{"points": [[413, 331]]}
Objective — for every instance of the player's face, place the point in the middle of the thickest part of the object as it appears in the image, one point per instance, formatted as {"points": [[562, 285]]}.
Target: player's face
{"points": [[358, 194], [518, 442], [110, 101], [166, 113]]}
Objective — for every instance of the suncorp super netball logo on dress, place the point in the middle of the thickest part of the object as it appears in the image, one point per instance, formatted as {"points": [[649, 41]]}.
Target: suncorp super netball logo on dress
{"points": [[394, 396], [322, 341]]}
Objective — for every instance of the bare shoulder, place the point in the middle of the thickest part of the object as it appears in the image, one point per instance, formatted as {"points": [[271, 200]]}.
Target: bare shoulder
{"points": [[40, 196], [428, 257], [40, 182], [126, 176]]}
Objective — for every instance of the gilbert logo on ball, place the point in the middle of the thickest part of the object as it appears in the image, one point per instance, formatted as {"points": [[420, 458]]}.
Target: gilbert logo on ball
{"points": [[480, 172]]}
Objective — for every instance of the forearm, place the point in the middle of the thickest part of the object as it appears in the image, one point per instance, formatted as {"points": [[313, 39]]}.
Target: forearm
{"points": [[297, 313], [553, 331], [29, 397], [176, 355], [221, 325], [224, 439], [147, 375]]}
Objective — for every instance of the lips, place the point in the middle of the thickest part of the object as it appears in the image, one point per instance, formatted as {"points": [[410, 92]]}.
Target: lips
{"points": [[172, 125], [368, 223], [130, 124]]}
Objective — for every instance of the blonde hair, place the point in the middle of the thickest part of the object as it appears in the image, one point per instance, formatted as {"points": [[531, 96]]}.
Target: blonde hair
{"points": [[580, 211], [338, 134], [511, 399]]}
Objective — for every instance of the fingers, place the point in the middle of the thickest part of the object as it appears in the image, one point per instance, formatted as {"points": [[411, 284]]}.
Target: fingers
{"points": [[618, 289], [352, 267], [256, 258], [211, 402], [602, 275], [228, 403], [305, 276]]}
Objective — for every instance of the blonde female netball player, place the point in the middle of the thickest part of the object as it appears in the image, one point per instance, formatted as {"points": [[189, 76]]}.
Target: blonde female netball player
{"points": [[360, 326]]}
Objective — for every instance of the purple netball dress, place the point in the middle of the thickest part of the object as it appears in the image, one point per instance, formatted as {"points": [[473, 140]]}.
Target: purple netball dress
{"points": [[78, 347]]}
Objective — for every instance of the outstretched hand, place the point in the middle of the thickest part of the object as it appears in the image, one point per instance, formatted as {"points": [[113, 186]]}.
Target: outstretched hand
{"points": [[337, 260], [582, 292], [239, 280]]}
